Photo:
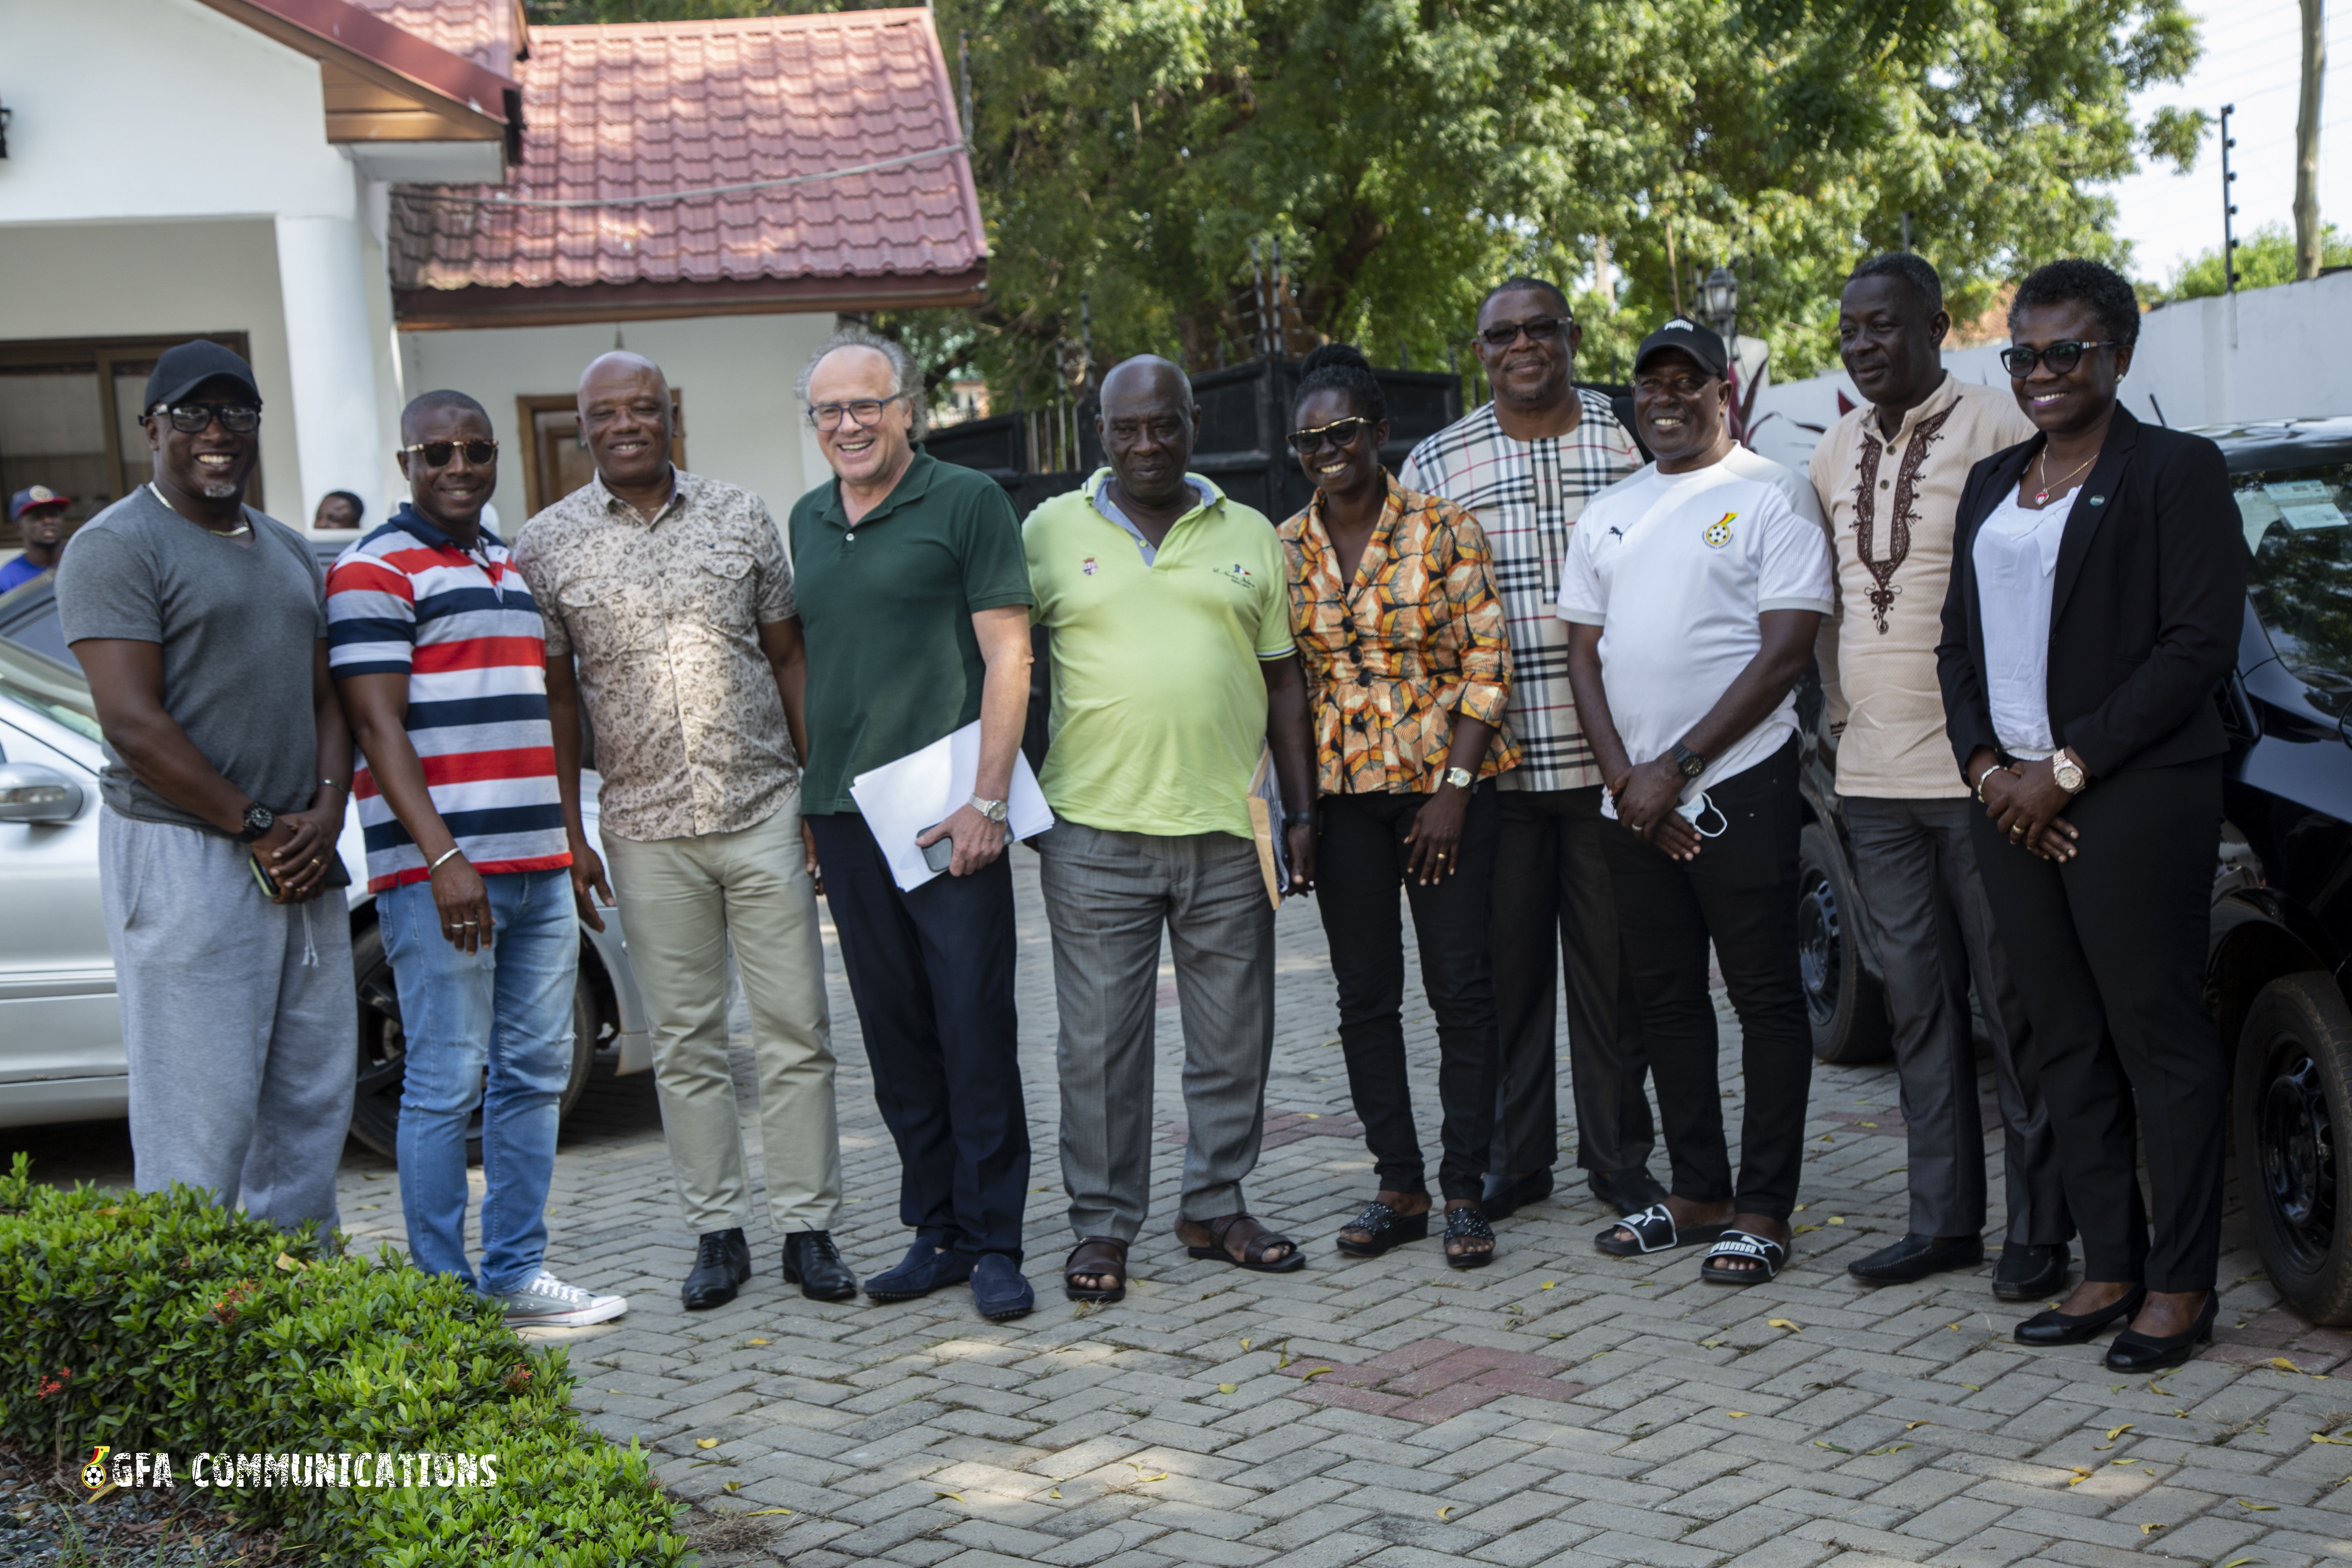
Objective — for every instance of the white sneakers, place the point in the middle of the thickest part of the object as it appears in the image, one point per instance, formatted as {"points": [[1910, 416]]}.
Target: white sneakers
{"points": [[547, 1302]]}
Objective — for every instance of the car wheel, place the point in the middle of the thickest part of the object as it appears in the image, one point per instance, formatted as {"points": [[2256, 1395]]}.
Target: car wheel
{"points": [[2293, 1098], [375, 1101], [1842, 1002]]}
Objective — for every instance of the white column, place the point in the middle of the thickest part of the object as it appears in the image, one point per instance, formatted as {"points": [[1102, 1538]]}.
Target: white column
{"points": [[330, 347]]}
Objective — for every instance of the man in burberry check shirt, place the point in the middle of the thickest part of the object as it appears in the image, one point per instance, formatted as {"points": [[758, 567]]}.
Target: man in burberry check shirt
{"points": [[1524, 465]]}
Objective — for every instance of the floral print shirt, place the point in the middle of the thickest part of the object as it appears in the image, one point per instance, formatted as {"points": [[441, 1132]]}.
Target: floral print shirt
{"points": [[1390, 656]]}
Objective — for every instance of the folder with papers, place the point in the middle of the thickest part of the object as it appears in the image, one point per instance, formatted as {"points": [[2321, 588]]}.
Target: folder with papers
{"points": [[902, 799]]}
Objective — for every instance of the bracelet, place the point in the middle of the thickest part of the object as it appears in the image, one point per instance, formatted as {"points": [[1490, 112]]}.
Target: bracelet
{"points": [[331, 784], [1979, 791], [1299, 820], [436, 866]]}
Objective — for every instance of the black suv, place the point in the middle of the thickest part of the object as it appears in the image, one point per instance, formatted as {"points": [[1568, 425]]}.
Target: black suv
{"points": [[2276, 973]]}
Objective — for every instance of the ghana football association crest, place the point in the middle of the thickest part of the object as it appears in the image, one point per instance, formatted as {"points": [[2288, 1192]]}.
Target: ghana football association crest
{"points": [[1718, 532], [93, 1474]]}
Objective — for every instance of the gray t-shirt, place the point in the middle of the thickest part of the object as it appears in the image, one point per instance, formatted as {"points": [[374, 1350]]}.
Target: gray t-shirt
{"points": [[238, 622]]}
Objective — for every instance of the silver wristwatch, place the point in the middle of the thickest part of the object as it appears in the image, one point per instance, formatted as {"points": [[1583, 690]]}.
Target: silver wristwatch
{"points": [[2067, 772], [994, 810]]}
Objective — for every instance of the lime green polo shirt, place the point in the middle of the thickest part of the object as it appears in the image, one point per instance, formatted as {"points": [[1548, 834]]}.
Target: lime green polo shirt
{"points": [[886, 608], [1159, 695]]}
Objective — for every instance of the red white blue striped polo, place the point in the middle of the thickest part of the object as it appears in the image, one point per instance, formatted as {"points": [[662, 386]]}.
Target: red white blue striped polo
{"points": [[407, 600]]}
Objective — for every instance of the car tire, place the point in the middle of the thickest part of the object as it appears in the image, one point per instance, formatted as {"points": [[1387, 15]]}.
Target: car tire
{"points": [[2293, 1096], [1843, 1002], [375, 1101]]}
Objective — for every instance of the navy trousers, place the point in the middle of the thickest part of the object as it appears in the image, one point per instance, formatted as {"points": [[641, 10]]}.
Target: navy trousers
{"points": [[931, 973]]}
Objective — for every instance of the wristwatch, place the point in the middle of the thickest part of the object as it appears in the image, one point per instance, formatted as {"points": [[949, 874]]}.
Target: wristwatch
{"points": [[1299, 820], [258, 820], [1687, 763], [1460, 778], [2067, 772], [994, 810]]}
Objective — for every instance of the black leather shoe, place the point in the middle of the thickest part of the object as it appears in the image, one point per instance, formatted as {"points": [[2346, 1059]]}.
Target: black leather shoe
{"points": [[1627, 1192], [1506, 1195], [1916, 1258], [2135, 1352], [2031, 1273], [813, 1263], [2055, 1328], [722, 1262]]}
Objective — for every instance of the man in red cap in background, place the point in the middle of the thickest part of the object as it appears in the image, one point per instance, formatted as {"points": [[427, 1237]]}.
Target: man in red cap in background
{"points": [[39, 514]]}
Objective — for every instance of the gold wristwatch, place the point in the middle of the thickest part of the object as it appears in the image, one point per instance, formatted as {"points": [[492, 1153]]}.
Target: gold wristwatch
{"points": [[1460, 778], [2068, 773]]}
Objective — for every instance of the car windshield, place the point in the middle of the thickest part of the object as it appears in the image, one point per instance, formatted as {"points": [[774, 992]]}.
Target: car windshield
{"points": [[2298, 526], [48, 687]]}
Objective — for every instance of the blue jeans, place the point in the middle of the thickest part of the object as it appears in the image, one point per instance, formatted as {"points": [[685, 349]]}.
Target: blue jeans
{"points": [[507, 1008]]}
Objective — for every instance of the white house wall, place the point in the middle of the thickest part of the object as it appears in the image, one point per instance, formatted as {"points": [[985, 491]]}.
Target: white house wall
{"points": [[2289, 356], [735, 375]]}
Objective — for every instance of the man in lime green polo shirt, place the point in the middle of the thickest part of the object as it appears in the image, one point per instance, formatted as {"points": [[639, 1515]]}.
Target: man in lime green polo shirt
{"points": [[1170, 615]]}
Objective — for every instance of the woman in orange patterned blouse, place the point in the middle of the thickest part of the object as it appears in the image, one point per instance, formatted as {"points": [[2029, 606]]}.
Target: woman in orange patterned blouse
{"points": [[1392, 602]]}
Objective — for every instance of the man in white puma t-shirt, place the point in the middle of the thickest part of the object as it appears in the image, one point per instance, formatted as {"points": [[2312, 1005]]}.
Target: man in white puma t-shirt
{"points": [[1692, 590]]}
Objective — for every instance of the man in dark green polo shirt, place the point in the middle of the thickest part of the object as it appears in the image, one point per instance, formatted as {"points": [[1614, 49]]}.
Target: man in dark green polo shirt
{"points": [[914, 597]]}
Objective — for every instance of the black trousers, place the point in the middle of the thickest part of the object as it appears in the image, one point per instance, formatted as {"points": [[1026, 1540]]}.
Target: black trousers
{"points": [[1740, 894], [931, 973], [2108, 951], [1552, 875], [1358, 865]]}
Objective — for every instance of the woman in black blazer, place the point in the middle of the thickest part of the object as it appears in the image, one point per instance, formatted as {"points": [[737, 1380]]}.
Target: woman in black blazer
{"points": [[2098, 583]]}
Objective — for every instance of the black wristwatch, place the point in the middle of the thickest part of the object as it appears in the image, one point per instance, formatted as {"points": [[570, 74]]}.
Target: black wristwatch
{"points": [[258, 820], [1689, 763], [1299, 820]]}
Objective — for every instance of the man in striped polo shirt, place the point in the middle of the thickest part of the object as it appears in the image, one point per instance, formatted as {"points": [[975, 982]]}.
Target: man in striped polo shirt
{"points": [[438, 651]]}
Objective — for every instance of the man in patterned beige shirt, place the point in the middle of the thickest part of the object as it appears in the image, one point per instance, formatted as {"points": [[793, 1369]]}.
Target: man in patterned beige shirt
{"points": [[672, 594]]}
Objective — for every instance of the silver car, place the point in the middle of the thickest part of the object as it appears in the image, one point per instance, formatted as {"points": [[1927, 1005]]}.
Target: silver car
{"points": [[60, 1029]]}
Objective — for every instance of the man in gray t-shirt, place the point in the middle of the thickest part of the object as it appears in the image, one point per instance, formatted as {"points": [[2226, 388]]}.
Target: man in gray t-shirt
{"points": [[201, 626]]}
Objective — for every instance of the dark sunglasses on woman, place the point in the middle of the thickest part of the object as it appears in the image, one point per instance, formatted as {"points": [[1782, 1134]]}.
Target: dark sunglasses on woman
{"points": [[2061, 357], [1339, 433]]}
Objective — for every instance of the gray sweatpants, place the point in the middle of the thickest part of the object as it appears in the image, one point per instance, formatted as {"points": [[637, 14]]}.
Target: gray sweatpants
{"points": [[238, 1020], [1107, 895]]}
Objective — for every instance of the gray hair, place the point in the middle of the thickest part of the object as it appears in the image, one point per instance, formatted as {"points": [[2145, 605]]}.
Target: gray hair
{"points": [[905, 375]]}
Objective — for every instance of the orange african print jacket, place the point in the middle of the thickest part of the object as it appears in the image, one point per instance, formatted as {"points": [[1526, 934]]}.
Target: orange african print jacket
{"points": [[1391, 657]]}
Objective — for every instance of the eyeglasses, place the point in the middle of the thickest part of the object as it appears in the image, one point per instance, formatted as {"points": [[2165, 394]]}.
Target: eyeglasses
{"points": [[1502, 334], [194, 418], [439, 453], [862, 413], [1339, 433], [2060, 357]]}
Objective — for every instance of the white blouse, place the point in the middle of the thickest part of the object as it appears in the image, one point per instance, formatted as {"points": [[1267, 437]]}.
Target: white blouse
{"points": [[2016, 559]]}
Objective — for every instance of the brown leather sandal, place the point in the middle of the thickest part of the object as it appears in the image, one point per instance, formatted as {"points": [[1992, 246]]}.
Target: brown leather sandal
{"points": [[1253, 1255], [1095, 1257]]}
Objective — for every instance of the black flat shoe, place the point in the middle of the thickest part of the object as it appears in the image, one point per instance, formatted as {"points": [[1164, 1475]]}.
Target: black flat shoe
{"points": [[1627, 1192], [2055, 1328], [2135, 1352], [2031, 1273], [1387, 1228], [1503, 1197], [722, 1262], [1916, 1258], [813, 1263]]}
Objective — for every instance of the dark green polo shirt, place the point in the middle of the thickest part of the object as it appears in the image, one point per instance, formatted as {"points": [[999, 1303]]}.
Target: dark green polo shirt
{"points": [[887, 607]]}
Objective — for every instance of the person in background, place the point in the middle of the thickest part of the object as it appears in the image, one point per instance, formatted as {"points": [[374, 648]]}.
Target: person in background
{"points": [[437, 648], [915, 593], [1889, 476], [39, 514], [1172, 673], [670, 610], [2098, 589], [200, 623], [1394, 605], [338, 510], [1694, 591], [1524, 465]]}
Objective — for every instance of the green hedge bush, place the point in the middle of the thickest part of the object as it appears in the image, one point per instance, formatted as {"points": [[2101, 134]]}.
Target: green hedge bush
{"points": [[157, 1322]]}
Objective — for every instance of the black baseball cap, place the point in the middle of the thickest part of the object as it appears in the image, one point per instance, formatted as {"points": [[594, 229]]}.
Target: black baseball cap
{"points": [[184, 367], [1702, 343]]}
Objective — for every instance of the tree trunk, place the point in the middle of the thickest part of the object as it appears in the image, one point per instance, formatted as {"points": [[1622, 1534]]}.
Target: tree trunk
{"points": [[2307, 141]]}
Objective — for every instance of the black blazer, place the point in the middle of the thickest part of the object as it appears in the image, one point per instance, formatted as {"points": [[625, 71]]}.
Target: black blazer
{"points": [[2145, 613]]}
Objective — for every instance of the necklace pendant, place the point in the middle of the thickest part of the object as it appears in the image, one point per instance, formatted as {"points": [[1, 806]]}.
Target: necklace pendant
{"points": [[2042, 498]]}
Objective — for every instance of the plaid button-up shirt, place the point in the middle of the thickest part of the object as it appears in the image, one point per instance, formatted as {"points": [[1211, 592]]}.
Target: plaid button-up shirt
{"points": [[1526, 496]]}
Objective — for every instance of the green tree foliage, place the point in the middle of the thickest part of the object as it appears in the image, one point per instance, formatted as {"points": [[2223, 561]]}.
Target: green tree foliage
{"points": [[2265, 258]]}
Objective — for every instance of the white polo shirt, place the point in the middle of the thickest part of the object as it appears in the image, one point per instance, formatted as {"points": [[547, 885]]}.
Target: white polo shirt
{"points": [[1675, 569]]}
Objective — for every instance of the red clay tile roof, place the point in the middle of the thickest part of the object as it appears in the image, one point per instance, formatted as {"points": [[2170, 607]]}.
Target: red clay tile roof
{"points": [[652, 109], [488, 32]]}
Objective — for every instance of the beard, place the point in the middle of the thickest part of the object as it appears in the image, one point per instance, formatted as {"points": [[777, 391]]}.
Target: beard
{"points": [[219, 489]]}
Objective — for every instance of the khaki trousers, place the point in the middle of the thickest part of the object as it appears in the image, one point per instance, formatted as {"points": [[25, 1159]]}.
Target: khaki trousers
{"points": [[683, 901]]}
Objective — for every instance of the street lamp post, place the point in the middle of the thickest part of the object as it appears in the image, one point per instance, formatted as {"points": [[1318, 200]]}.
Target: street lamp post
{"points": [[1719, 299]]}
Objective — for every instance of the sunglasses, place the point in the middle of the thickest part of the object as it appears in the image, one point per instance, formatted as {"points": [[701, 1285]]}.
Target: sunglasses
{"points": [[439, 453], [194, 418], [2060, 357], [1504, 333], [862, 413], [1339, 433]]}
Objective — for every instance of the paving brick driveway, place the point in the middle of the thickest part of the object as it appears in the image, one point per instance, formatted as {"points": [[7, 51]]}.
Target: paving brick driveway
{"points": [[1556, 1407]]}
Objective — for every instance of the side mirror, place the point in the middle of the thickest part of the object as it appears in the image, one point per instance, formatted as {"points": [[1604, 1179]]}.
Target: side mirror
{"points": [[31, 793]]}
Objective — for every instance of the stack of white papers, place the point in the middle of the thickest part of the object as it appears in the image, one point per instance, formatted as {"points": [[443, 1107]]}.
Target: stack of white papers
{"points": [[923, 789]]}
